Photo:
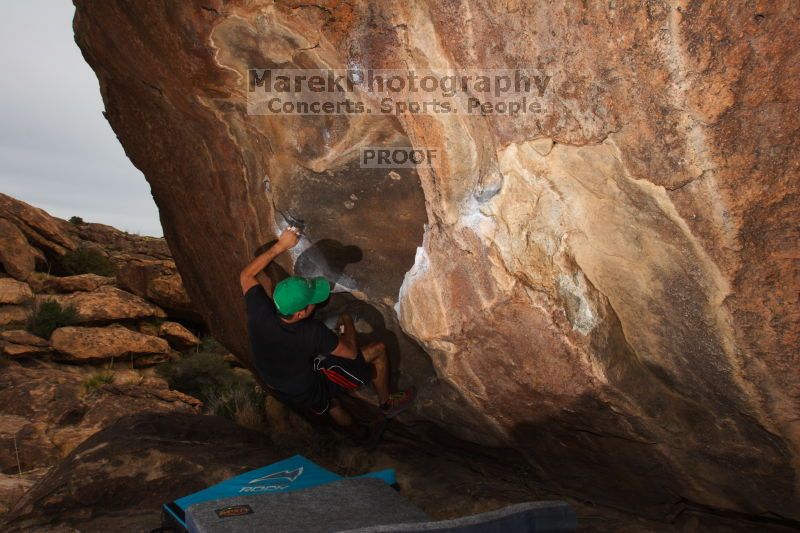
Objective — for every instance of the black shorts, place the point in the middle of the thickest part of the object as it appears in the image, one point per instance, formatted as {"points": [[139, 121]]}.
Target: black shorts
{"points": [[345, 374], [338, 374], [334, 375]]}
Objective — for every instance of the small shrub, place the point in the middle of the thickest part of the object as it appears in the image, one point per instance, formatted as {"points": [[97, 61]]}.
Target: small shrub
{"points": [[155, 322], [76, 221], [85, 261], [48, 316], [224, 391], [98, 379], [243, 403], [211, 345], [197, 374]]}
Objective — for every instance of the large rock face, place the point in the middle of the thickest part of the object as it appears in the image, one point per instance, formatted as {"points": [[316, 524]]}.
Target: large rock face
{"points": [[610, 287]]}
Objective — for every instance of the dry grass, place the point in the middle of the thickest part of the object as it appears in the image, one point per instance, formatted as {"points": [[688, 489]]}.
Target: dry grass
{"points": [[225, 391], [98, 379], [244, 403]]}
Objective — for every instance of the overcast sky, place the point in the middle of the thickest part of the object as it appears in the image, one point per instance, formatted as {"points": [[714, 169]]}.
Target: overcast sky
{"points": [[57, 151]]}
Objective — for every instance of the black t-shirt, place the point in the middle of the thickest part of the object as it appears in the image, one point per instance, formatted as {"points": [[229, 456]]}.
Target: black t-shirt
{"points": [[283, 353]]}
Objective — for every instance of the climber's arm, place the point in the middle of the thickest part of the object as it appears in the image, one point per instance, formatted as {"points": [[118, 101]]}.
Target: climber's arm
{"points": [[348, 344], [265, 282], [248, 277]]}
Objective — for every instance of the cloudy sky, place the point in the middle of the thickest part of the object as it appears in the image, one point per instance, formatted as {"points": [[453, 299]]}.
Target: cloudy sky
{"points": [[57, 151]]}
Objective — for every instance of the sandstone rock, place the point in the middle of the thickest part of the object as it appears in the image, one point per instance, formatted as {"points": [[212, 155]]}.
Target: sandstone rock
{"points": [[68, 284], [16, 255], [20, 336], [127, 376], [153, 387], [128, 470], [106, 304], [168, 291], [13, 315], [49, 411], [120, 243], [38, 281], [40, 258], [42, 230], [624, 301], [542, 146], [84, 345], [14, 292], [159, 282], [14, 350], [26, 443], [14, 486], [149, 327], [145, 361], [178, 336]]}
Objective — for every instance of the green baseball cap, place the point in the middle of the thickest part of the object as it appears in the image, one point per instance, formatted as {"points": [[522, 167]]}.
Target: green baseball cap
{"points": [[294, 294]]}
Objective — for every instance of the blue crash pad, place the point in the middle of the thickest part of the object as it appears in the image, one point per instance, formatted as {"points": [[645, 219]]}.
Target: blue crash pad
{"points": [[294, 473]]}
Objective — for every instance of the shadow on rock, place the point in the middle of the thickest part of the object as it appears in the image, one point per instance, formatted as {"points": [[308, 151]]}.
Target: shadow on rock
{"points": [[327, 258]]}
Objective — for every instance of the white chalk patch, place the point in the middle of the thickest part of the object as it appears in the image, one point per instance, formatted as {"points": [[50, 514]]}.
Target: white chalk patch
{"points": [[580, 310], [419, 269]]}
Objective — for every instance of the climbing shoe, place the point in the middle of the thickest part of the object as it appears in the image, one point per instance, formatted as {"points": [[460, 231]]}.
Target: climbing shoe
{"points": [[398, 402]]}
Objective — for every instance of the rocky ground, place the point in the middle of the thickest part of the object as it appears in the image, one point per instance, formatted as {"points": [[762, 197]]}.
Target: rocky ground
{"points": [[92, 437]]}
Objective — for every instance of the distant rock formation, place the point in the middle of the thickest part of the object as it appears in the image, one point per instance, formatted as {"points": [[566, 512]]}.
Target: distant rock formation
{"points": [[107, 323], [80, 373], [610, 287], [141, 281]]}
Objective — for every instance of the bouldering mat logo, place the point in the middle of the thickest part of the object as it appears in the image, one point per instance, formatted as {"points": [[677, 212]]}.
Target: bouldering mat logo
{"points": [[273, 482], [233, 510]]}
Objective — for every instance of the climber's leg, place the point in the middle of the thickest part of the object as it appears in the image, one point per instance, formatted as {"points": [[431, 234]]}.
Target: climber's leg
{"points": [[375, 354], [390, 404], [340, 415]]}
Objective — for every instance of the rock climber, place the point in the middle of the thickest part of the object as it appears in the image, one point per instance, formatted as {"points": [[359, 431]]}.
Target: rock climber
{"points": [[305, 364]]}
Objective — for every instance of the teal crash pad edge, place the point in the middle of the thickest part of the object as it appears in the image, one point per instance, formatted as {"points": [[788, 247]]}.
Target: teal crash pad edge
{"points": [[294, 473]]}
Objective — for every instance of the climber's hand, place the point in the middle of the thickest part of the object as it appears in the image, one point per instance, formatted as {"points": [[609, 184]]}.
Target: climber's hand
{"points": [[248, 276], [289, 238], [348, 344], [344, 318]]}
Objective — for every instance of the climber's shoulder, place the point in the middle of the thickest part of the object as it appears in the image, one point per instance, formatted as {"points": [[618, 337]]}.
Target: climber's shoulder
{"points": [[258, 303]]}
